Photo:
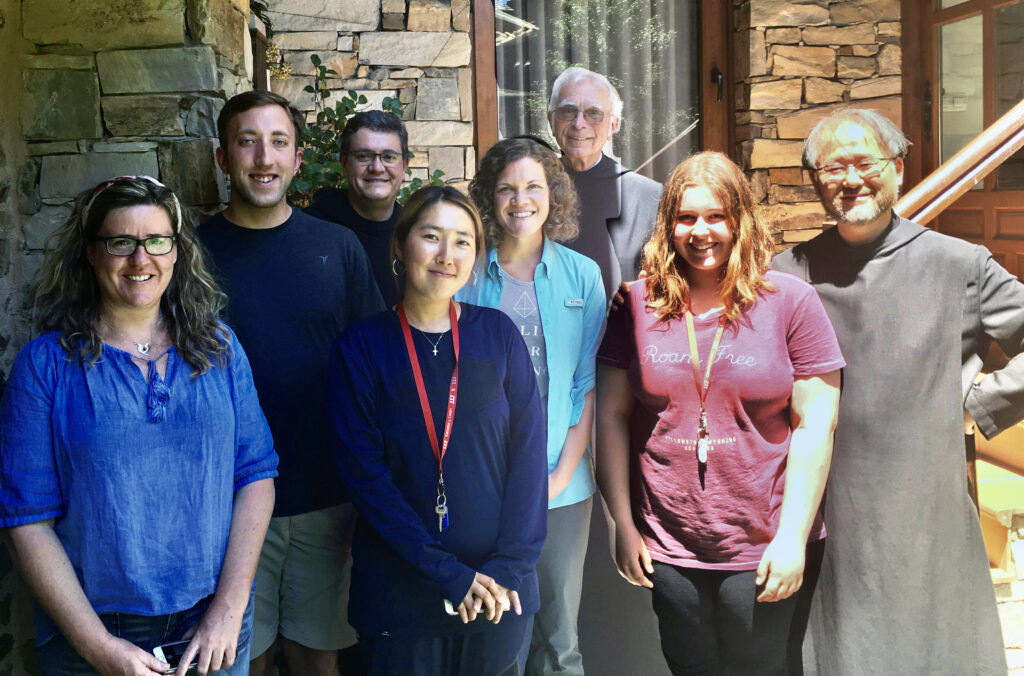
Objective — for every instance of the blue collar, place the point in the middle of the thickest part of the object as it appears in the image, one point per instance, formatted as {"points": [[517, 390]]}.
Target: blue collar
{"points": [[548, 259]]}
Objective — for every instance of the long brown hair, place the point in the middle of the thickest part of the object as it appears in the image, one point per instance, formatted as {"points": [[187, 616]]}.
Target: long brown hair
{"points": [[66, 294], [668, 290]]}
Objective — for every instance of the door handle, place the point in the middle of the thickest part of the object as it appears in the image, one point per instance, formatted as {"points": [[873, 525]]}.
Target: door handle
{"points": [[718, 79]]}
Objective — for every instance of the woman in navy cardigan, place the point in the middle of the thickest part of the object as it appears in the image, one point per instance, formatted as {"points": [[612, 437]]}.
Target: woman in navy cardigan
{"points": [[442, 445]]}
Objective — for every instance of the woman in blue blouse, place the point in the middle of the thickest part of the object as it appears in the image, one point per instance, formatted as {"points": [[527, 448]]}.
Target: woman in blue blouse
{"points": [[135, 464], [556, 299], [437, 414]]}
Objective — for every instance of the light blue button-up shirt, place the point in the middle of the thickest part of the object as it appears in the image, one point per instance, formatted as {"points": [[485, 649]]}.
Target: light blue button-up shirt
{"points": [[571, 300]]}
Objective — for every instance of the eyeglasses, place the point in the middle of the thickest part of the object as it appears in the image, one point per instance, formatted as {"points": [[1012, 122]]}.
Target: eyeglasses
{"points": [[867, 168], [389, 157], [568, 113], [122, 245]]}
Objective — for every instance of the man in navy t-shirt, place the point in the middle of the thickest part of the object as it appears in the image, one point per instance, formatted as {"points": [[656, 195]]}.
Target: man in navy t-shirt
{"points": [[294, 283], [374, 156]]}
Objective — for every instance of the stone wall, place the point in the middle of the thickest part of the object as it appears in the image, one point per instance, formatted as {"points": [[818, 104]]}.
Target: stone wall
{"points": [[796, 62], [107, 89], [95, 89], [418, 50]]}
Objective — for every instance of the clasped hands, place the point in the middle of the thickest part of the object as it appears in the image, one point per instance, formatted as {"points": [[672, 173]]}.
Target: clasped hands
{"points": [[487, 597]]}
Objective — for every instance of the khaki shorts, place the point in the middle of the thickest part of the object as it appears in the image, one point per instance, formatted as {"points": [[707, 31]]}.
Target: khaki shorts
{"points": [[302, 581]]}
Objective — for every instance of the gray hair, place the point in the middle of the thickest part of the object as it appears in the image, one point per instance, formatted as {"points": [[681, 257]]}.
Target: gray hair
{"points": [[575, 74], [889, 137]]}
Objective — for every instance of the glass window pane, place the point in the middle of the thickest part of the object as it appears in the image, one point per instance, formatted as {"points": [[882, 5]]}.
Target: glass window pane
{"points": [[943, 4], [960, 85], [1010, 84], [649, 49]]}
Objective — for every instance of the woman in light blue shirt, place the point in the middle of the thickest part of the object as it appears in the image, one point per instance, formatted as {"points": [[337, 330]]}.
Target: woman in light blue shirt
{"points": [[556, 299]]}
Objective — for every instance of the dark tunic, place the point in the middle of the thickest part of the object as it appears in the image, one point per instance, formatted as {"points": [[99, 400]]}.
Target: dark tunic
{"points": [[618, 209], [904, 585]]}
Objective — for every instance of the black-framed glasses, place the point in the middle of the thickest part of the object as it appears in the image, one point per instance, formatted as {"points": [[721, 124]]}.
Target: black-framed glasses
{"points": [[869, 167], [122, 245], [389, 157], [568, 113]]}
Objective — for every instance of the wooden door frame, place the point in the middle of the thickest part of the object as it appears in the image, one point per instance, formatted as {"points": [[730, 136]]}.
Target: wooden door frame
{"points": [[717, 116], [921, 75]]}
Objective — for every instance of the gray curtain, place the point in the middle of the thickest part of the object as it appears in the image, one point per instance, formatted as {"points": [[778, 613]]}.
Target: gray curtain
{"points": [[649, 49]]}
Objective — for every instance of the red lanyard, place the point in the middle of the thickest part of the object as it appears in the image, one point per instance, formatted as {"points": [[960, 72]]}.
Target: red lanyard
{"points": [[702, 391], [453, 388]]}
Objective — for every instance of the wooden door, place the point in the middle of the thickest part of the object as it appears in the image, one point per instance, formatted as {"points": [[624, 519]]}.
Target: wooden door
{"points": [[965, 74]]}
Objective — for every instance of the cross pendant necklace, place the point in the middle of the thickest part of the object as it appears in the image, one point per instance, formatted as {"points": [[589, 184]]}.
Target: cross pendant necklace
{"points": [[435, 343]]}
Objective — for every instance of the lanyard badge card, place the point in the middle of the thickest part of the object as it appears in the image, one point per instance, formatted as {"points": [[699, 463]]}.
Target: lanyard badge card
{"points": [[441, 505]]}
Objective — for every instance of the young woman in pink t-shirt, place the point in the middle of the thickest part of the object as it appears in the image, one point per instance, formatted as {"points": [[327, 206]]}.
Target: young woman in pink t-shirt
{"points": [[717, 397]]}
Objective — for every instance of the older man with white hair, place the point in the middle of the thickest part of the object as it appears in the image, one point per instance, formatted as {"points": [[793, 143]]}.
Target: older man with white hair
{"points": [[619, 206]]}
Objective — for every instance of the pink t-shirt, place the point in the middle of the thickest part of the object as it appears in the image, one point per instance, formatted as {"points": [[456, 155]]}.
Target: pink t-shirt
{"points": [[723, 516]]}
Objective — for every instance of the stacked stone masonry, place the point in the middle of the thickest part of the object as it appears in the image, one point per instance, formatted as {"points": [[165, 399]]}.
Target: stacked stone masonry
{"points": [[795, 63], [105, 89], [416, 50]]}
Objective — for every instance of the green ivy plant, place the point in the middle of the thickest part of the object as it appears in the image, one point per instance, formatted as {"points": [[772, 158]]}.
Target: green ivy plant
{"points": [[321, 165], [262, 12]]}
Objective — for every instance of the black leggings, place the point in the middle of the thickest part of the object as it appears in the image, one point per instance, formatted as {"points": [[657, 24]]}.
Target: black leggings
{"points": [[711, 623]]}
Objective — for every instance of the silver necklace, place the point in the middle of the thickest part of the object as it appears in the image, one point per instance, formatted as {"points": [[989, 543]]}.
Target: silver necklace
{"points": [[435, 343], [143, 348]]}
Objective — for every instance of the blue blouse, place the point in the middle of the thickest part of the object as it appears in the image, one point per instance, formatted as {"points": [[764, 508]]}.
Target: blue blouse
{"points": [[572, 307], [403, 567], [142, 508]]}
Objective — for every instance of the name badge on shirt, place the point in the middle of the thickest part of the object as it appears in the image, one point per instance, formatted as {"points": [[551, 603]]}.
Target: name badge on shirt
{"points": [[573, 302]]}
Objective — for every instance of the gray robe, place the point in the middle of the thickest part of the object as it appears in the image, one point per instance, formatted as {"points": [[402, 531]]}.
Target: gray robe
{"points": [[904, 585]]}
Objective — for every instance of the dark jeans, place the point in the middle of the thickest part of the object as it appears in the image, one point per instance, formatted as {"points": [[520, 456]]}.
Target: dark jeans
{"points": [[58, 658], [491, 651], [711, 623]]}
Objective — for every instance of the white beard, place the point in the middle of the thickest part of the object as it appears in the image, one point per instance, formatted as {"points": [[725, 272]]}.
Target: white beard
{"points": [[866, 213]]}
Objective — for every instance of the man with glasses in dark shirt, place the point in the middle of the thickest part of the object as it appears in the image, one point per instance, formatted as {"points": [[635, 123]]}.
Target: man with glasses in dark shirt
{"points": [[374, 156]]}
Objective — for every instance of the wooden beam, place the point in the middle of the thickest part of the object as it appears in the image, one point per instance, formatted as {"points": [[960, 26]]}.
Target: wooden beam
{"points": [[485, 77], [716, 109]]}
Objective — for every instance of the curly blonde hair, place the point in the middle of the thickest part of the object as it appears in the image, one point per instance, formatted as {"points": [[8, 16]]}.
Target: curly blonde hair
{"points": [[67, 296], [562, 223], [668, 290]]}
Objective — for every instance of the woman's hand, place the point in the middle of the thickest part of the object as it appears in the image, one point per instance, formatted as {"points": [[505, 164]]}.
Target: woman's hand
{"points": [[215, 639], [631, 557], [781, 570], [481, 596], [118, 657], [557, 481]]}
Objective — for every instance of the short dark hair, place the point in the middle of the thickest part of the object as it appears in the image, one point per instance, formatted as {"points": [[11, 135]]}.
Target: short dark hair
{"points": [[376, 120], [237, 105]]}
